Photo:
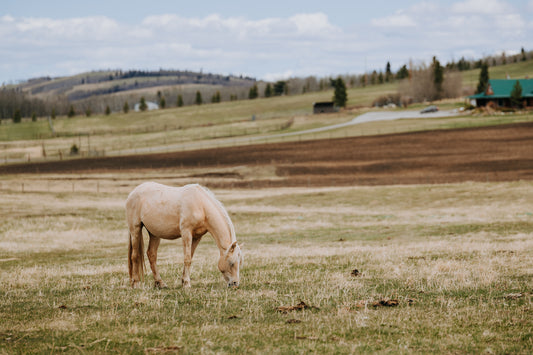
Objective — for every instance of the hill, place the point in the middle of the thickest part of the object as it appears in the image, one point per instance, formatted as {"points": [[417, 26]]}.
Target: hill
{"points": [[82, 86]]}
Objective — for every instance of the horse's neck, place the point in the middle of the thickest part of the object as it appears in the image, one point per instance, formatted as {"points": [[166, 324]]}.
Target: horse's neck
{"points": [[219, 224]]}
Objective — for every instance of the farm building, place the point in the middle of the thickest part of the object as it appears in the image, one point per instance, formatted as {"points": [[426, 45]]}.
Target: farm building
{"points": [[324, 107], [498, 93], [149, 106]]}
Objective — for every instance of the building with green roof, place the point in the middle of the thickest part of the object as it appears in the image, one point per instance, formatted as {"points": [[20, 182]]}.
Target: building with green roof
{"points": [[498, 93]]}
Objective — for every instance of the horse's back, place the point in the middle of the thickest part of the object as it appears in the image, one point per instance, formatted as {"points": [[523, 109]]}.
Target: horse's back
{"points": [[162, 209]]}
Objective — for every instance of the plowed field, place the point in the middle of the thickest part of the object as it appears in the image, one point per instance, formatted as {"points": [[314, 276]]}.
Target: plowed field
{"points": [[496, 153]]}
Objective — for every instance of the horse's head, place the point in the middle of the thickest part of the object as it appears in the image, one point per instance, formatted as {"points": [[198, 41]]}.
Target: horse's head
{"points": [[230, 263]]}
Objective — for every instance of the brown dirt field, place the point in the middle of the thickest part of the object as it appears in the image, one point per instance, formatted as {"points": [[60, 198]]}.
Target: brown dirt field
{"points": [[496, 153]]}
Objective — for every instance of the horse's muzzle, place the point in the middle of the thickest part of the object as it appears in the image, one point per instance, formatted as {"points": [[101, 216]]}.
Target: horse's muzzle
{"points": [[233, 284]]}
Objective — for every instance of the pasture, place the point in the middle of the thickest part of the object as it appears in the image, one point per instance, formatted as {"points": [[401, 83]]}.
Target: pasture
{"points": [[444, 268]]}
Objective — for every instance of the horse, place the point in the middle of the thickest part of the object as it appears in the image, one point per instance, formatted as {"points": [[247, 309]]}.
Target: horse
{"points": [[188, 212]]}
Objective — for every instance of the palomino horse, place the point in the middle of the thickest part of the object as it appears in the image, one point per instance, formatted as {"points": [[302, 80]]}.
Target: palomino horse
{"points": [[173, 212]]}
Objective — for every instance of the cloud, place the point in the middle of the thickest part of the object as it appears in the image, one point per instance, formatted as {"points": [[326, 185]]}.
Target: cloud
{"points": [[486, 7], [397, 20], [94, 28], [271, 47], [316, 24], [279, 76]]}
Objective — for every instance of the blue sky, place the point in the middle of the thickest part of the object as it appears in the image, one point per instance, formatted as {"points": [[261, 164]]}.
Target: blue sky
{"points": [[266, 40]]}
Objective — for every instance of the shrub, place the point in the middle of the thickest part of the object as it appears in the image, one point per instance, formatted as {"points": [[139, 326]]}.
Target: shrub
{"points": [[74, 150], [385, 100]]}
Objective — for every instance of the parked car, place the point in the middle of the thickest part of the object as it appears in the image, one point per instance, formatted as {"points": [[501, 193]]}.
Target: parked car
{"points": [[431, 108]]}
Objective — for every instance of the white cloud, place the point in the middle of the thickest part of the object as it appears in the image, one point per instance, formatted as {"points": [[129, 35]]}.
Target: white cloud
{"points": [[88, 27], [271, 47], [316, 24], [397, 20], [279, 76], [487, 7], [313, 24]]}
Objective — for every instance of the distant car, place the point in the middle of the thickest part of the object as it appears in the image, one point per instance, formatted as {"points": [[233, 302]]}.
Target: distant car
{"points": [[429, 109]]}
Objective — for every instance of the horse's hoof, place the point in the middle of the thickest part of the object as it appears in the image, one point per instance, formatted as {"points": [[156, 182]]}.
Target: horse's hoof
{"points": [[160, 284], [135, 284]]}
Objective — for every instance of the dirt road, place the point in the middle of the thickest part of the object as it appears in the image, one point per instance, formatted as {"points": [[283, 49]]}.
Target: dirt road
{"points": [[498, 153]]}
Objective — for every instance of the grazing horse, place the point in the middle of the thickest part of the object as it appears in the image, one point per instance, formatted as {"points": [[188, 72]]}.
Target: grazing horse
{"points": [[173, 212]]}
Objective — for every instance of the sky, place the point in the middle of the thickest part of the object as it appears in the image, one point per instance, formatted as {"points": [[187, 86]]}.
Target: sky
{"points": [[267, 40]]}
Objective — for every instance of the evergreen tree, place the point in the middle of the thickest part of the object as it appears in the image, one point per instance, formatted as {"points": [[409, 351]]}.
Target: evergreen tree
{"points": [[438, 77], [142, 104], [402, 73], [17, 116], [53, 114], [340, 97], [71, 112], [34, 117], [107, 110], [88, 112], [126, 107], [374, 78], [268, 90], [179, 103], [280, 88], [162, 102], [198, 100], [216, 97], [388, 73], [483, 78], [516, 95], [463, 64], [254, 93], [524, 58]]}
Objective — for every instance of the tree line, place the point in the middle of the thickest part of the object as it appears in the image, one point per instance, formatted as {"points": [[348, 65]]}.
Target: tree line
{"points": [[426, 83]]}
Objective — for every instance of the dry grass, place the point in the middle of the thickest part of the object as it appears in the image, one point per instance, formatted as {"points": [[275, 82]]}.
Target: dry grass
{"points": [[456, 259]]}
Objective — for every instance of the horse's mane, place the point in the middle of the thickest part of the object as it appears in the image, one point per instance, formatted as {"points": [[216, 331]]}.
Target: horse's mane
{"points": [[222, 210]]}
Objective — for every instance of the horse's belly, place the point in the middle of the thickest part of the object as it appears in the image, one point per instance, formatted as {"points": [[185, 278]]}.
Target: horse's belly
{"points": [[162, 226]]}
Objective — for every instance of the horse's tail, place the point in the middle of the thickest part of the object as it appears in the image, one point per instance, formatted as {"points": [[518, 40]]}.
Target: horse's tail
{"points": [[140, 252], [130, 262]]}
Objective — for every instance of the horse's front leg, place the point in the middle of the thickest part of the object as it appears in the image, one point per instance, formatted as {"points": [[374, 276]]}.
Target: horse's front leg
{"points": [[186, 237], [153, 245]]}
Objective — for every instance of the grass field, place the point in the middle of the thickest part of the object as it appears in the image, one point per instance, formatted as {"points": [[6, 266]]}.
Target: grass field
{"points": [[442, 269]]}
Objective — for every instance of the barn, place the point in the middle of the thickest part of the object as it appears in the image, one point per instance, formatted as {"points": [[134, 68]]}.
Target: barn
{"points": [[498, 93], [324, 107]]}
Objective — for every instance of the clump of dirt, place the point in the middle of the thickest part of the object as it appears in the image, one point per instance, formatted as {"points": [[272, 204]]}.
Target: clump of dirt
{"points": [[385, 303], [294, 321], [299, 307]]}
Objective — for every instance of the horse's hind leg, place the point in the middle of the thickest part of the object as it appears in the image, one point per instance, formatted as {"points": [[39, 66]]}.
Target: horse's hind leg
{"points": [[136, 260], [153, 244], [186, 237]]}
